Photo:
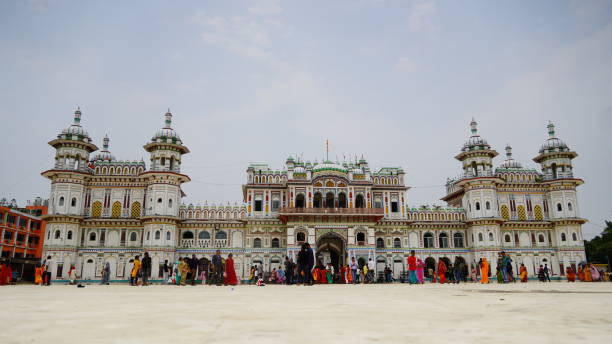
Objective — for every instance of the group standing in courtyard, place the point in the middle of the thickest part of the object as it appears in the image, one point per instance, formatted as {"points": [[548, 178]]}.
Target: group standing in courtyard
{"points": [[310, 269]]}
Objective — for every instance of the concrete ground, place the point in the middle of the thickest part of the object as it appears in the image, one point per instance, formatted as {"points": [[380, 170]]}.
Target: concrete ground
{"points": [[467, 313]]}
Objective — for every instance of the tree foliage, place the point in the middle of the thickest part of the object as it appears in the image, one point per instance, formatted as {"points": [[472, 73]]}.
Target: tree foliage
{"points": [[599, 249]]}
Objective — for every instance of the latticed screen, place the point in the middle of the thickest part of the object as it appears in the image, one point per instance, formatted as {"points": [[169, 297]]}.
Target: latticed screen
{"points": [[521, 213], [505, 213], [96, 209], [116, 209], [135, 210], [538, 213]]}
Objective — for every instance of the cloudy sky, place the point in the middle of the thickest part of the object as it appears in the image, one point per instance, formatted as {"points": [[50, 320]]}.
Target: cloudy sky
{"points": [[257, 81]]}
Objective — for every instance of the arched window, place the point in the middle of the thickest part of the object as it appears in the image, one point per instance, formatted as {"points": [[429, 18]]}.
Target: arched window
{"points": [[188, 235], [318, 200], [559, 207], [73, 202], [69, 235], [569, 206], [220, 235], [554, 171], [342, 200], [157, 235], [275, 243], [204, 235], [443, 240], [574, 237], [488, 205], [474, 168], [397, 243], [458, 240], [505, 213], [116, 210], [563, 238], [361, 238], [507, 238], [491, 238], [477, 205], [541, 238], [428, 240], [329, 200], [299, 201], [301, 237], [168, 235], [170, 203], [133, 236], [92, 236], [57, 235], [359, 202], [61, 201], [135, 210], [380, 243], [257, 243], [480, 237], [159, 200], [148, 235]]}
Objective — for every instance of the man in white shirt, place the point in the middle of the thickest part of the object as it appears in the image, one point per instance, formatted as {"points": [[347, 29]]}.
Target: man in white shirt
{"points": [[47, 273], [371, 271]]}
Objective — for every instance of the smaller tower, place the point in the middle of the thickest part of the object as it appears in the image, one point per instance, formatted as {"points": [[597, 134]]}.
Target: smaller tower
{"points": [[555, 157], [163, 178], [510, 163], [73, 146], [104, 154], [166, 148], [476, 155]]}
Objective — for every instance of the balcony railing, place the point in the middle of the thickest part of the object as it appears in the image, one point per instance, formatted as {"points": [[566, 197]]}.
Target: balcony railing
{"points": [[560, 175], [331, 211], [203, 243]]}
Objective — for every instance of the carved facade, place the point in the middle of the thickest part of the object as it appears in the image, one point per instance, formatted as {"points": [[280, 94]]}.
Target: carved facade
{"points": [[107, 210]]}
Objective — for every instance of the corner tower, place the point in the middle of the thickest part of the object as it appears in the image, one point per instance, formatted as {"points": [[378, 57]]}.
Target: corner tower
{"points": [[68, 177], [163, 192]]}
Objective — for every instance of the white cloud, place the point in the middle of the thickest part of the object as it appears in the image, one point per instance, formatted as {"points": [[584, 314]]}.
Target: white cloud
{"points": [[266, 7], [405, 65], [419, 13]]}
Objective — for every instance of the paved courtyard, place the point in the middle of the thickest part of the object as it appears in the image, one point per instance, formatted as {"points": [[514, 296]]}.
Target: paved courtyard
{"points": [[466, 313]]}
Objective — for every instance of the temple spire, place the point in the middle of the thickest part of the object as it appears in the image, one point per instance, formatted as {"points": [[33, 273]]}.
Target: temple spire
{"points": [[77, 116], [551, 130], [474, 127], [168, 119], [105, 142]]}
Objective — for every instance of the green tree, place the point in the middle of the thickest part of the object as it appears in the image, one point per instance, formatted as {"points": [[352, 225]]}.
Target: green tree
{"points": [[599, 249]]}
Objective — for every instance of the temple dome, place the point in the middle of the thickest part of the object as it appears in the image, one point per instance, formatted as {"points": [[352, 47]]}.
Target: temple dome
{"points": [[167, 134], [510, 163], [475, 141], [75, 131], [329, 166], [553, 143], [104, 154]]}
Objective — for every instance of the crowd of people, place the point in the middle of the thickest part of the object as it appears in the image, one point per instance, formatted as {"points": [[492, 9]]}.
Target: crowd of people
{"points": [[309, 270]]}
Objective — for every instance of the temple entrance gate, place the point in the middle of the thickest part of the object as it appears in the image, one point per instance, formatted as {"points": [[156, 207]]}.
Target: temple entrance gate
{"points": [[331, 249]]}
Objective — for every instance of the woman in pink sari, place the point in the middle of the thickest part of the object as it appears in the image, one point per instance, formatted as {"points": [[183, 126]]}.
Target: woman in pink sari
{"points": [[420, 271], [594, 274]]}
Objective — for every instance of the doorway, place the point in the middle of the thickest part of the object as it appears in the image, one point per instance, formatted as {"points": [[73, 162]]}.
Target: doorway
{"points": [[330, 249]]}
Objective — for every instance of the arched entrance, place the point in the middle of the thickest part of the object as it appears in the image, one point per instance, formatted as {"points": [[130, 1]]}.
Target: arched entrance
{"points": [[331, 249], [430, 263]]}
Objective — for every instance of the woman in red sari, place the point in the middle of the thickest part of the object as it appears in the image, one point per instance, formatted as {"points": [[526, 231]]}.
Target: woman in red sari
{"points": [[3, 273], [570, 274], [230, 272], [442, 271]]}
